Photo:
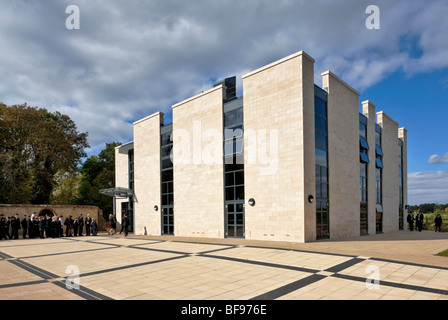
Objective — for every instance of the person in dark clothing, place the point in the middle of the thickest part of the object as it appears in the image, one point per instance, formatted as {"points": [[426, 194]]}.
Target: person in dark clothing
{"points": [[68, 226], [125, 225], [41, 224], [47, 221], [112, 224], [410, 220], [25, 224], [438, 223], [35, 227], [15, 226], [94, 227], [2, 227], [61, 226], [419, 221], [75, 227], [88, 224], [6, 227], [54, 227], [80, 225]]}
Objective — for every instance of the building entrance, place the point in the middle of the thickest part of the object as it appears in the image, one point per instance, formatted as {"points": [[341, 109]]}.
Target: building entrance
{"points": [[168, 220], [235, 219]]}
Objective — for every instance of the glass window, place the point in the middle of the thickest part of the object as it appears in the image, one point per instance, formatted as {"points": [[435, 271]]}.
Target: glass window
{"points": [[379, 163], [362, 130], [233, 118], [167, 175], [233, 133], [239, 178], [321, 124], [239, 193], [230, 193], [167, 163], [321, 142], [363, 143], [321, 158], [364, 157], [378, 186], [166, 151], [378, 138], [320, 107], [379, 151], [230, 181], [167, 139]]}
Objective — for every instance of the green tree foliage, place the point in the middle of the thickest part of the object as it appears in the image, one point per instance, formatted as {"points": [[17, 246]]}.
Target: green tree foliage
{"points": [[35, 145], [429, 208], [98, 172]]}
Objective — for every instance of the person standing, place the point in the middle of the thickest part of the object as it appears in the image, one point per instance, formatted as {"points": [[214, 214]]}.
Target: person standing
{"points": [[94, 227], [25, 224], [410, 220], [47, 221], [68, 226], [438, 223], [2, 227], [75, 227], [88, 224], [15, 226], [419, 221], [80, 225], [35, 227], [41, 227], [61, 226], [6, 227]]}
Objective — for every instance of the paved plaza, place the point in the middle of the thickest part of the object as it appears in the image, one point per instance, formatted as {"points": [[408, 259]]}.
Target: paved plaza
{"points": [[401, 265]]}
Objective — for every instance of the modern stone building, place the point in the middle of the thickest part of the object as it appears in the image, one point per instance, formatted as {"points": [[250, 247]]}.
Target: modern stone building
{"points": [[288, 161]]}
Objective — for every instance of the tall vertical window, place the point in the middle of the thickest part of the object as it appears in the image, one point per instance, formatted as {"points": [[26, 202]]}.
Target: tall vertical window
{"points": [[131, 169], [400, 184], [234, 169], [321, 141], [128, 207], [364, 160], [167, 186], [379, 179]]}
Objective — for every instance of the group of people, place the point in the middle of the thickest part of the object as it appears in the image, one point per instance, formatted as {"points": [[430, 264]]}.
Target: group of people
{"points": [[125, 224], [46, 226], [418, 220]]}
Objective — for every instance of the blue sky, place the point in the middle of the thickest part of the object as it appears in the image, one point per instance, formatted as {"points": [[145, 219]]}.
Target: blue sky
{"points": [[132, 58]]}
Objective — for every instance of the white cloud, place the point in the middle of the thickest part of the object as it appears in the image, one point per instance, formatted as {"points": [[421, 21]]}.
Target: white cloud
{"points": [[438, 159], [428, 187], [130, 59]]}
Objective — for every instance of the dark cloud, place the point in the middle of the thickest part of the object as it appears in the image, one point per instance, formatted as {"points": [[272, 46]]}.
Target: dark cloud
{"points": [[132, 58]]}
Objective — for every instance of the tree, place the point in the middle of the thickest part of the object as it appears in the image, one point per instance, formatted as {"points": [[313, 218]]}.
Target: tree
{"points": [[35, 145], [98, 172]]}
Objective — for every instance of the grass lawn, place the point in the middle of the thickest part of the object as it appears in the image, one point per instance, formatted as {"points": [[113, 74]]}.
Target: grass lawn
{"points": [[443, 253]]}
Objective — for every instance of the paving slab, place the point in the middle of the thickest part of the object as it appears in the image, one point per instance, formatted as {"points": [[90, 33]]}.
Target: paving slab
{"points": [[400, 265]]}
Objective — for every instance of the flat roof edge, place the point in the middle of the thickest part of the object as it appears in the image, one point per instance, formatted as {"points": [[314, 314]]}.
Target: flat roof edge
{"points": [[273, 64]]}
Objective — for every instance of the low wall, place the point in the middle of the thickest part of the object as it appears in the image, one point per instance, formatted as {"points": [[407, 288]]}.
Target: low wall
{"points": [[58, 210]]}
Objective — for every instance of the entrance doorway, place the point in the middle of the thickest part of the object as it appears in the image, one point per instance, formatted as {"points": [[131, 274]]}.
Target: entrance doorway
{"points": [[127, 208], [168, 220], [46, 212], [235, 219]]}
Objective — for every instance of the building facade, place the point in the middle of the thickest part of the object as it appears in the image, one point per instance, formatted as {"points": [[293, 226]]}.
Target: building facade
{"points": [[288, 161]]}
